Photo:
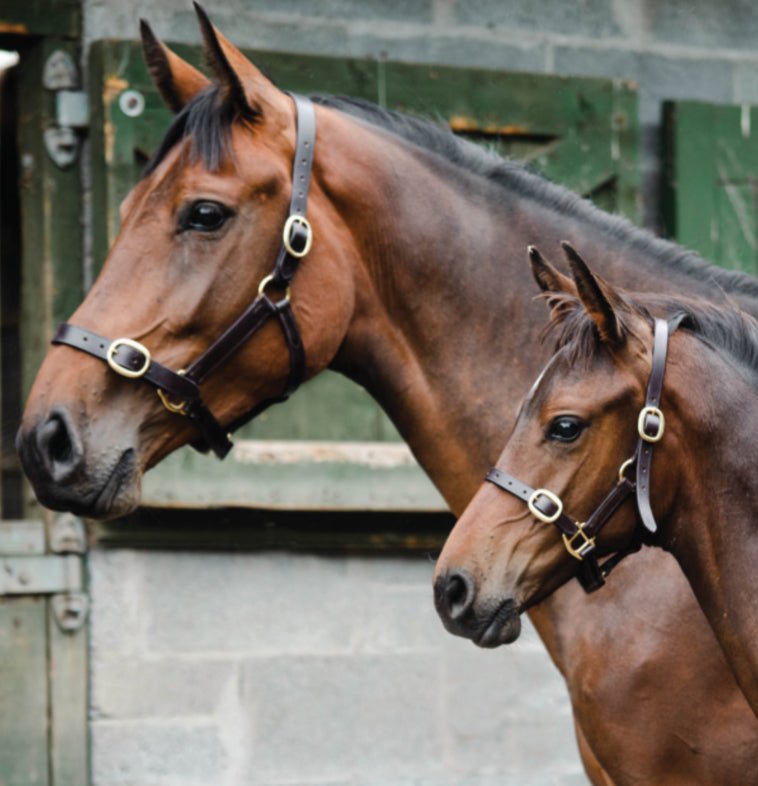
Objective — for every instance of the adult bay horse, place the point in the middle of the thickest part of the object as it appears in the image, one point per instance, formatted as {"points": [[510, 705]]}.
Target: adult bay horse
{"points": [[677, 395], [413, 288]]}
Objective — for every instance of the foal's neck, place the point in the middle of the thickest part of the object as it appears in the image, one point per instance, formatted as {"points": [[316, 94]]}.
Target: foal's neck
{"points": [[712, 527]]}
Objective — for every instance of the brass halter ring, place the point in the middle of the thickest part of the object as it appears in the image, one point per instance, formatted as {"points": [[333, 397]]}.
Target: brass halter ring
{"points": [[122, 370], [266, 281], [179, 408], [296, 218]]}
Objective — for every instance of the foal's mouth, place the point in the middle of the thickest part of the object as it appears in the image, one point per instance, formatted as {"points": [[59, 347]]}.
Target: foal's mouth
{"points": [[503, 626]]}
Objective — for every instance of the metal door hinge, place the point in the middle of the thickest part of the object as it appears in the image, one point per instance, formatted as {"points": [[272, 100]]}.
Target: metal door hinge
{"points": [[61, 76], [24, 570]]}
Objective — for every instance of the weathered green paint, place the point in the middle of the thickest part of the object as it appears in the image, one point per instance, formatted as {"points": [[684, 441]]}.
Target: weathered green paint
{"points": [[711, 181], [23, 692], [41, 17], [581, 132], [51, 285]]}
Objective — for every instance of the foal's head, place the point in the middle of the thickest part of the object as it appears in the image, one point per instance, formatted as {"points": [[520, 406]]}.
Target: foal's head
{"points": [[198, 234], [576, 427]]}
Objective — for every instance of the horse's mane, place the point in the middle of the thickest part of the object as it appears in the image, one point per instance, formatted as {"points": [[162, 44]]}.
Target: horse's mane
{"points": [[516, 178], [724, 327], [207, 121]]}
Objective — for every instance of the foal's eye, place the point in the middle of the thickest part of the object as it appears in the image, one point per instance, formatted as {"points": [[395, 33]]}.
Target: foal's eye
{"points": [[204, 216], [565, 429]]}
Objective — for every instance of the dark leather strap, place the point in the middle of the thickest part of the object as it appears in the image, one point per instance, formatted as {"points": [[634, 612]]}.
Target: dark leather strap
{"points": [[651, 424], [543, 503], [178, 387]]}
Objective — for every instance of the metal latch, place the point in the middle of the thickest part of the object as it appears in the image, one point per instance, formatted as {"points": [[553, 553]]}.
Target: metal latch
{"points": [[61, 76], [25, 571]]}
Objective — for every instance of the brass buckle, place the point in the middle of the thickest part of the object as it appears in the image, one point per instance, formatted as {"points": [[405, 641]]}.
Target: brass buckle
{"points": [[293, 219], [265, 282], [178, 408], [122, 370], [644, 412], [538, 514], [584, 548]]}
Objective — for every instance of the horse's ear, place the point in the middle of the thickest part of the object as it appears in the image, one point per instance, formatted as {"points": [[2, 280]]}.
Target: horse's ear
{"points": [[597, 297], [548, 278], [177, 81], [245, 85]]}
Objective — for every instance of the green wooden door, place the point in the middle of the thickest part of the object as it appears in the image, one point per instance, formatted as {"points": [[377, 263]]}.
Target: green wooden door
{"points": [[711, 181], [43, 641], [301, 455]]}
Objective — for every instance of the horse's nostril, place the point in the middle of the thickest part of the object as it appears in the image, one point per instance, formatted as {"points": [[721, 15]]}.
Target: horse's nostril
{"points": [[455, 594], [58, 447]]}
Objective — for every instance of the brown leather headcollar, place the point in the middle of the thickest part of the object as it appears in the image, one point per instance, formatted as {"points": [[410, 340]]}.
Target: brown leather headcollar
{"points": [[580, 537], [180, 391]]}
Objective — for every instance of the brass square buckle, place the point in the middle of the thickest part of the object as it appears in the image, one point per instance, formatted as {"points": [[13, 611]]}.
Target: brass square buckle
{"points": [[584, 548], [548, 518], [288, 234], [645, 412], [131, 373]]}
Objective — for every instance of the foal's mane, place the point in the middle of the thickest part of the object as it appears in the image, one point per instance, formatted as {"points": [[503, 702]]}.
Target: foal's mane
{"points": [[724, 327], [207, 120]]}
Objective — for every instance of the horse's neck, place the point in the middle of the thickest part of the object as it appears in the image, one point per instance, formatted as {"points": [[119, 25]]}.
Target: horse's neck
{"points": [[446, 329], [712, 530]]}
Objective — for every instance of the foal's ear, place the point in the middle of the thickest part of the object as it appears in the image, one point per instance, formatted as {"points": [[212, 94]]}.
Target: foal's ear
{"points": [[598, 298], [246, 87], [177, 81], [548, 278]]}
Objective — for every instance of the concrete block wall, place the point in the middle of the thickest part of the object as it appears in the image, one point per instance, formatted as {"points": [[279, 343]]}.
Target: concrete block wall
{"points": [[273, 669]]}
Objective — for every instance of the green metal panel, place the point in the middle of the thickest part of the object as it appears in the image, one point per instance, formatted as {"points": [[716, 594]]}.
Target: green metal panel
{"points": [[581, 132], [711, 181]]}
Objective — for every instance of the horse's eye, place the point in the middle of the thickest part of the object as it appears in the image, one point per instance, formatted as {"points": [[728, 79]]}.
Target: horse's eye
{"points": [[204, 216], [565, 429]]}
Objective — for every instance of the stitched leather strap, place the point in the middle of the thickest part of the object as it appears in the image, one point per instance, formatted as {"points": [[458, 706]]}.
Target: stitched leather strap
{"points": [[651, 425], [178, 387]]}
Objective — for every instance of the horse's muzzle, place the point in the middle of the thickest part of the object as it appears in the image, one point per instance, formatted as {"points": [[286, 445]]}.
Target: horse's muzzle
{"points": [[53, 457], [488, 623]]}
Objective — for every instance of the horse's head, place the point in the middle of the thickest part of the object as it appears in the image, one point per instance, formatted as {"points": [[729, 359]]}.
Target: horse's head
{"points": [[575, 428], [198, 234]]}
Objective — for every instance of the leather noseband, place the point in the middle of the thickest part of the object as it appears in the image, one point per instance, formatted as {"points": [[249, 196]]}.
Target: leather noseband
{"points": [[180, 391]]}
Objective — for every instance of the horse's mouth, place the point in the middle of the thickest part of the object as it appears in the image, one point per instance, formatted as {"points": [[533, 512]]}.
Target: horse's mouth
{"points": [[107, 503], [503, 626]]}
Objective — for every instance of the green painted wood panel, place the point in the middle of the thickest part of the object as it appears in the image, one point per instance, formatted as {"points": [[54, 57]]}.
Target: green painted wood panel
{"points": [[711, 181], [41, 17], [581, 132], [23, 692]]}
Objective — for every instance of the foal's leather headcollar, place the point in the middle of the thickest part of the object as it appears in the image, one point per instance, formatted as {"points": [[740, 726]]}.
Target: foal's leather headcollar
{"points": [[179, 391], [579, 537]]}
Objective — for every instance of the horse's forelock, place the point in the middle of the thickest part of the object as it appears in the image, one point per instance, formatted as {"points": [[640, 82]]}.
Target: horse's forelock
{"points": [[207, 121]]}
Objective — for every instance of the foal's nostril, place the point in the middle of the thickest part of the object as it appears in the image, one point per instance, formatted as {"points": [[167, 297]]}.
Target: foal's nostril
{"points": [[454, 594], [58, 447]]}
